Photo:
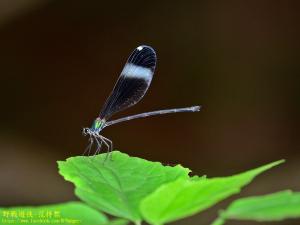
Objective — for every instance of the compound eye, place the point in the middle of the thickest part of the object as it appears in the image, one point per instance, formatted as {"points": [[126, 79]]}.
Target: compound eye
{"points": [[85, 131]]}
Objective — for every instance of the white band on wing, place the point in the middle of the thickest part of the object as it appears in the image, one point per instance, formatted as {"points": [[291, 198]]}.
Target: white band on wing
{"points": [[134, 71]]}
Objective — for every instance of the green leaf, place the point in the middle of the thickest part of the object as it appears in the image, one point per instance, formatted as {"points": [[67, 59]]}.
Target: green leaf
{"points": [[60, 214], [197, 178], [272, 207], [185, 197], [117, 222], [117, 186], [219, 221]]}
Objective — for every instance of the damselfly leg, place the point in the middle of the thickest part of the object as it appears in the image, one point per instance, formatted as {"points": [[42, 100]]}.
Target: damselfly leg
{"points": [[99, 145], [110, 149], [107, 143], [89, 147]]}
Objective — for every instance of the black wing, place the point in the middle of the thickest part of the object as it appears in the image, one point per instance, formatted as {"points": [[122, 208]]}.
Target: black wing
{"points": [[133, 82]]}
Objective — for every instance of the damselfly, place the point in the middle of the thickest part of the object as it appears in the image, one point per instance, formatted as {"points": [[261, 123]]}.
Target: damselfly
{"points": [[130, 88]]}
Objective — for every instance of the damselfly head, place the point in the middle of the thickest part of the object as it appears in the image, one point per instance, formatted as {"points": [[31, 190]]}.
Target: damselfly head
{"points": [[86, 131]]}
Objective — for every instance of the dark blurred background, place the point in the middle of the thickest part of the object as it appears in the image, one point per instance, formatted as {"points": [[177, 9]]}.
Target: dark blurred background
{"points": [[59, 61]]}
